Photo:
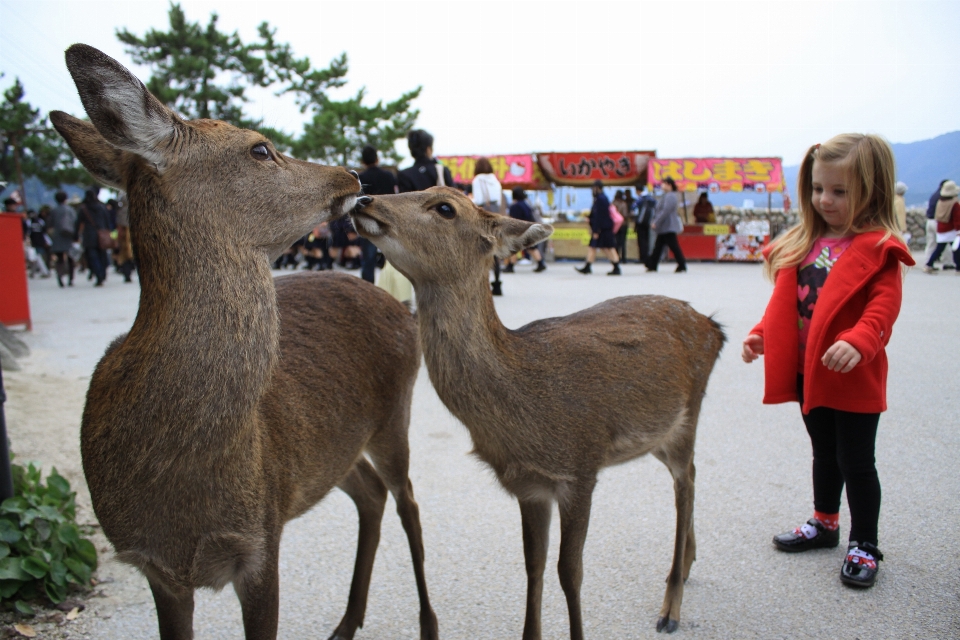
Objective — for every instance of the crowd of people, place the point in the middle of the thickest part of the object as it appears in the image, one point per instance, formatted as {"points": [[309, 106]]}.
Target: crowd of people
{"points": [[84, 235]]}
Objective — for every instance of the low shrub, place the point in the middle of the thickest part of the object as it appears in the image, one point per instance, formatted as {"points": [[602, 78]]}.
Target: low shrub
{"points": [[42, 550]]}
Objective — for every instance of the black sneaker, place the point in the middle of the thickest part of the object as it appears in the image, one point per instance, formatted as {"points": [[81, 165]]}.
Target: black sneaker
{"points": [[812, 535], [860, 566]]}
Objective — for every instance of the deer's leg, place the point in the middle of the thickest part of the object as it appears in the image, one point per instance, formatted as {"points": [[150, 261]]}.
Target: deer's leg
{"points": [[392, 459], [574, 520], [683, 489], [535, 517], [174, 612], [259, 594], [690, 551], [369, 494]]}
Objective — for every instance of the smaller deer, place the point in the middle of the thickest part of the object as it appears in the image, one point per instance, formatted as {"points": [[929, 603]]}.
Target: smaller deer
{"points": [[552, 403], [225, 412]]}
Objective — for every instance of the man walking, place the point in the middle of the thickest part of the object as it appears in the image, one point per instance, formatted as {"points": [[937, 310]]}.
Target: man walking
{"points": [[376, 182]]}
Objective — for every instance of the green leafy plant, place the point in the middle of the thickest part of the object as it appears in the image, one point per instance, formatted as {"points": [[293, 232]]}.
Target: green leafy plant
{"points": [[42, 551]]}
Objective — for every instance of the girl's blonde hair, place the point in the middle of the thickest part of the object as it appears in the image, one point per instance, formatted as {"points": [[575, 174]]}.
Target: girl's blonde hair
{"points": [[871, 183]]}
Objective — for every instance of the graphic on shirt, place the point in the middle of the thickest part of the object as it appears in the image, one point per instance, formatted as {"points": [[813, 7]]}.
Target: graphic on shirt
{"points": [[811, 277]]}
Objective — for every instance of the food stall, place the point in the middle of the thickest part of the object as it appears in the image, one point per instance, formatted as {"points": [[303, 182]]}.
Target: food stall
{"points": [[720, 241], [579, 169]]}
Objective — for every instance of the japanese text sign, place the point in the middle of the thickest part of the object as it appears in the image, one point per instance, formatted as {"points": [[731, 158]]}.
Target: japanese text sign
{"points": [[510, 170], [581, 169], [718, 174]]}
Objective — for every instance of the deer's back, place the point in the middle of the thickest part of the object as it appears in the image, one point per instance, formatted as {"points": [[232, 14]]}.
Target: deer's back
{"points": [[349, 356], [596, 387]]}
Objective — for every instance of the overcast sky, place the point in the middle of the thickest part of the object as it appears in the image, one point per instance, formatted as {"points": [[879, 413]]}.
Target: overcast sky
{"points": [[708, 78]]}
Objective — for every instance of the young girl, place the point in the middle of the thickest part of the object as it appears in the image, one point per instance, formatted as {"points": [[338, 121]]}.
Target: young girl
{"points": [[838, 283]]}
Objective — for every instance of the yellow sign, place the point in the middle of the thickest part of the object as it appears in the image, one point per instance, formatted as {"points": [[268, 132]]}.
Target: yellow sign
{"points": [[716, 229]]}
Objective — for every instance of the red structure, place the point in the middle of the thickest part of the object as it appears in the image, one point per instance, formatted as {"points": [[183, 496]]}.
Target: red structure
{"points": [[14, 300]]}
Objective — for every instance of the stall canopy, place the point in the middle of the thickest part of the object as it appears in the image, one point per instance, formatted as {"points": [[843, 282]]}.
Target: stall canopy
{"points": [[761, 175], [511, 170], [581, 169]]}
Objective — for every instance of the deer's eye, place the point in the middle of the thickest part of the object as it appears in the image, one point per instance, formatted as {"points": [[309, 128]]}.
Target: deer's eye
{"points": [[260, 151], [445, 210]]}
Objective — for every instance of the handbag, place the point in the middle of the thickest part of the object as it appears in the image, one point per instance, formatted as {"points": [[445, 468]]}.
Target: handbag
{"points": [[616, 217], [105, 241]]}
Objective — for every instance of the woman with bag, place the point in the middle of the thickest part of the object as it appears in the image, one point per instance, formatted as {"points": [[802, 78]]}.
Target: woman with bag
{"points": [[620, 229], [601, 232], [487, 194], [666, 222]]}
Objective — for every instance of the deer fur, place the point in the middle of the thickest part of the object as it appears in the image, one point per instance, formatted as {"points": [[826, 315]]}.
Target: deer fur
{"points": [[552, 403], [233, 404]]}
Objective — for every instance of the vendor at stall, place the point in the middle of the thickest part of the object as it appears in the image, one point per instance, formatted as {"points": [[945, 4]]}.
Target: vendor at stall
{"points": [[703, 210]]}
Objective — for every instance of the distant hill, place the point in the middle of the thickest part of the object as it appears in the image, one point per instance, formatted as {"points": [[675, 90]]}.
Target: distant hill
{"points": [[921, 165]]}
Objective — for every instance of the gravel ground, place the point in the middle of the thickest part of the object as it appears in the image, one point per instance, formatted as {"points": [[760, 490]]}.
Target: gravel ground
{"points": [[753, 481]]}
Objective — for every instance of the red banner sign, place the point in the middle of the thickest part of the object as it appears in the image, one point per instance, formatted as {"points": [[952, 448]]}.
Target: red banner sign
{"points": [[511, 170], [581, 169], [718, 174]]}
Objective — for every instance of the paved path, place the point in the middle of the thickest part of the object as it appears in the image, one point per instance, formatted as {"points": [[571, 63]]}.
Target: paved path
{"points": [[753, 481]]}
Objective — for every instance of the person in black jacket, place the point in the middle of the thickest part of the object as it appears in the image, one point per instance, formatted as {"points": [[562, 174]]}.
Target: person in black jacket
{"points": [[521, 211], [645, 207], [93, 217], [423, 174], [601, 232], [376, 182]]}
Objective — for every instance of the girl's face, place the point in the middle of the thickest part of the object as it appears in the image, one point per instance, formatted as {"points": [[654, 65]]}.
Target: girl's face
{"points": [[830, 196]]}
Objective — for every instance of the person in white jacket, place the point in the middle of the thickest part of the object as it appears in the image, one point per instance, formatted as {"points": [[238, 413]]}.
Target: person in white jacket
{"points": [[488, 194], [486, 190]]}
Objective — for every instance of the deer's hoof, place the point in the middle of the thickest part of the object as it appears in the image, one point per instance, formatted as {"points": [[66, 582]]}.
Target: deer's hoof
{"points": [[666, 624]]}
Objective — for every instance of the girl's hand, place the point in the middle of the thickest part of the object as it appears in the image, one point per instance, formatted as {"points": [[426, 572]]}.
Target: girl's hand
{"points": [[752, 348], [842, 357]]}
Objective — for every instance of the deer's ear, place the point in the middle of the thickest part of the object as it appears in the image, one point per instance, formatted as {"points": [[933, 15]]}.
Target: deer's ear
{"points": [[120, 107], [511, 235], [101, 159]]}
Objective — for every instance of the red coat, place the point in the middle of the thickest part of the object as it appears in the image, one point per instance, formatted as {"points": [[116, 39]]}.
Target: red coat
{"points": [[858, 303]]}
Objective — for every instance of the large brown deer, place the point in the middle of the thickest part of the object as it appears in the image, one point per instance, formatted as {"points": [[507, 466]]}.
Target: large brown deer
{"points": [[552, 403], [233, 405]]}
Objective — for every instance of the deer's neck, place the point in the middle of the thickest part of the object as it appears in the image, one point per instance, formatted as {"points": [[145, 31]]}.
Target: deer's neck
{"points": [[206, 334], [466, 347]]}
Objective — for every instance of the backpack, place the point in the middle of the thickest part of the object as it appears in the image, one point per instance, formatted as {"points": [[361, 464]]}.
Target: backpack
{"points": [[944, 210], [616, 217]]}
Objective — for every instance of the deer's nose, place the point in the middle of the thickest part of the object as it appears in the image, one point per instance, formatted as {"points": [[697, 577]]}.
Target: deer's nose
{"points": [[363, 201]]}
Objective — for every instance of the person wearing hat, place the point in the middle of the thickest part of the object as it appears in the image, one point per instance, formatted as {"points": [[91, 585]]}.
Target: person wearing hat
{"points": [[947, 216], [900, 210], [521, 211], [931, 228], [601, 232]]}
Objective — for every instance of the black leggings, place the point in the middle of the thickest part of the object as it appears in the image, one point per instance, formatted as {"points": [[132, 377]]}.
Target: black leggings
{"points": [[666, 240], [843, 453]]}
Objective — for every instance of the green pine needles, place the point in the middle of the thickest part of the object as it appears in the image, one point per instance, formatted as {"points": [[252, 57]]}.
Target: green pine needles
{"points": [[42, 550]]}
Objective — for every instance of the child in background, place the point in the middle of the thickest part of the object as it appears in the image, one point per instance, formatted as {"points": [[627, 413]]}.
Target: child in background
{"points": [[838, 284]]}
